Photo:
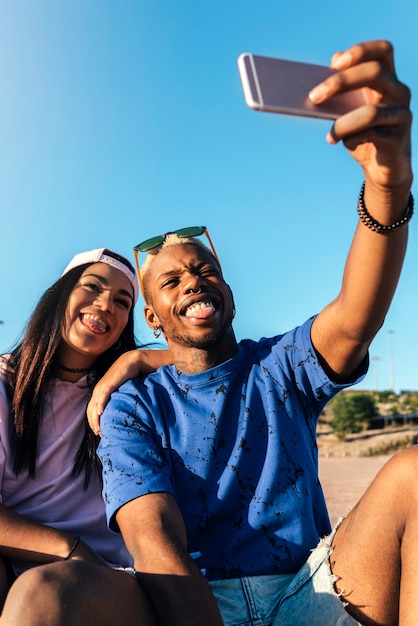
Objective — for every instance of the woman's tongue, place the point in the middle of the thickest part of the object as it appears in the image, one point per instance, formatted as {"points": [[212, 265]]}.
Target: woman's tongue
{"points": [[96, 325], [202, 310]]}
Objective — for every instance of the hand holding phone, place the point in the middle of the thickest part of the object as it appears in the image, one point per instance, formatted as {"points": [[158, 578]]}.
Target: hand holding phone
{"points": [[281, 86]]}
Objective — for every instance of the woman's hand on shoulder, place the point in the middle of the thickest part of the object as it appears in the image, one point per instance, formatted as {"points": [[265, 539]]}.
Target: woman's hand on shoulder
{"points": [[132, 364]]}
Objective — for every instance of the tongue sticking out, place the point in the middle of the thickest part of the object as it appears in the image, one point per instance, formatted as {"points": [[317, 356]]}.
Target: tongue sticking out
{"points": [[201, 310], [96, 325]]}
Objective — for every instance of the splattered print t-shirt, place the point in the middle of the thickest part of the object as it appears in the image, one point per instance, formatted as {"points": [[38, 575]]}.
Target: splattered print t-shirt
{"points": [[236, 446]]}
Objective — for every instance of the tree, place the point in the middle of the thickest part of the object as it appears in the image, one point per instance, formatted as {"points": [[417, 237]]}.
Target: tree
{"points": [[351, 413]]}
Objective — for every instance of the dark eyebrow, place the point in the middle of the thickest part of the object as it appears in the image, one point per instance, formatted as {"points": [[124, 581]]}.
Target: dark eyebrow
{"points": [[169, 273], [104, 281]]}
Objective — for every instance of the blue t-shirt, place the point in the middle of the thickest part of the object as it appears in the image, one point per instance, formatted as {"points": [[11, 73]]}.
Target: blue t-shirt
{"points": [[236, 446]]}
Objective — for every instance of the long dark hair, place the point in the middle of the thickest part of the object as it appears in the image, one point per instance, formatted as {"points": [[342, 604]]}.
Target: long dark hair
{"points": [[32, 364]]}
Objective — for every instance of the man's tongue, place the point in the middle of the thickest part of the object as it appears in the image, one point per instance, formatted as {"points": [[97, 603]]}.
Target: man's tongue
{"points": [[200, 311], [96, 325]]}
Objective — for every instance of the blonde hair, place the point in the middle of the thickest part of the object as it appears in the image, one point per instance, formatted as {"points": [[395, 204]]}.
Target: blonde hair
{"points": [[171, 240]]}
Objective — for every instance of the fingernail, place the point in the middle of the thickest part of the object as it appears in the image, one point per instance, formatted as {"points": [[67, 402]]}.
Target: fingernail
{"points": [[317, 94], [332, 137], [342, 60]]}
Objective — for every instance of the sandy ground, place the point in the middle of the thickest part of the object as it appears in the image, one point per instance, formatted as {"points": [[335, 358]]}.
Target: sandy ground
{"points": [[345, 472], [344, 479]]}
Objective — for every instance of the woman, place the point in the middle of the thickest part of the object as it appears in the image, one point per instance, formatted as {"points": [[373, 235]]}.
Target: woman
{"points": [[51, 514]]}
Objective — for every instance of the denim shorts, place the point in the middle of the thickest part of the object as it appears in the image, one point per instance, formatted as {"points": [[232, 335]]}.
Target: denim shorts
{"points": [[307, 598]]}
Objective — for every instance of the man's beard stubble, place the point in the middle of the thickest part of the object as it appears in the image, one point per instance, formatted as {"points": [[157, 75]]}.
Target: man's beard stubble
{"points": [[206, 342]]}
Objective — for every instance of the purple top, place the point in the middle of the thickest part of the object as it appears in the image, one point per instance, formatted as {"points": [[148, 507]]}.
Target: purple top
{"points": [[54, 497]]}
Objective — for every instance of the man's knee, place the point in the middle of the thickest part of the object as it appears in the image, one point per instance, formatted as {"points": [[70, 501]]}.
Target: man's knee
{"points": [[402, 469]]}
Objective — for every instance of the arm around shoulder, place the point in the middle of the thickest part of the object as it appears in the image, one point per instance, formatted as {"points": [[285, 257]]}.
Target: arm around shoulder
{"points": [[132, 364]]}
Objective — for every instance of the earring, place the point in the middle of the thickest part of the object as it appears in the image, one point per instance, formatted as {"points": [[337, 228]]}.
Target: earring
{"points": [[117, 345], [157, 331]]}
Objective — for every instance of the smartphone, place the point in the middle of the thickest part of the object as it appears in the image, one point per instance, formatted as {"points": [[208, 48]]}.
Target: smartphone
{"points": [[281, 86]]}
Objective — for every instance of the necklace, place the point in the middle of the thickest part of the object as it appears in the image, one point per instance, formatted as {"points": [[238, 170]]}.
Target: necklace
{"points": [[74, 370]]}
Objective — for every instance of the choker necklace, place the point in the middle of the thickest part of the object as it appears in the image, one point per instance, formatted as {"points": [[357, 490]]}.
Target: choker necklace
{"points": [[74, 370]]}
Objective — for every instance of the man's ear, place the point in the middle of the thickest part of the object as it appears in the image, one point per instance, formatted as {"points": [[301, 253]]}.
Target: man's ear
{"points": [[232, 300], [150, 317]]}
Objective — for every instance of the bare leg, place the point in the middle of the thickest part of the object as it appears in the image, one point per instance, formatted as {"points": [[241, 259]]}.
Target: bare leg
{"points": [[76, 593], [375, 556]]}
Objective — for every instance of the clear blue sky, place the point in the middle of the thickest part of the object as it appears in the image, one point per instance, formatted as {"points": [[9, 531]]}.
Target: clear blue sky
{"points": [[120, 120]]}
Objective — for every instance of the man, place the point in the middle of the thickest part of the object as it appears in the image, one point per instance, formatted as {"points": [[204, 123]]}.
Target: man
{"points": [[210, 465]]}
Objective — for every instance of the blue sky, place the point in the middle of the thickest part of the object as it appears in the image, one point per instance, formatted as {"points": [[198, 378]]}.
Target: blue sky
{"points": [[120, 120]]}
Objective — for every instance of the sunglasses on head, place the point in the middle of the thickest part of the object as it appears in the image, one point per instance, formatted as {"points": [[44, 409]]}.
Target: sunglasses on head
{"points": [[158, 240]]}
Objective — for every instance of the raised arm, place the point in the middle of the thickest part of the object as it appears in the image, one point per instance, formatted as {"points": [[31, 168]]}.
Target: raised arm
{"points": [[378, 137]]}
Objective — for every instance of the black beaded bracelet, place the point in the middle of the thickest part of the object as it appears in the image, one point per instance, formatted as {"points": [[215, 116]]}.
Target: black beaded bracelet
{"points": [[73, 547], [373, 224]]}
